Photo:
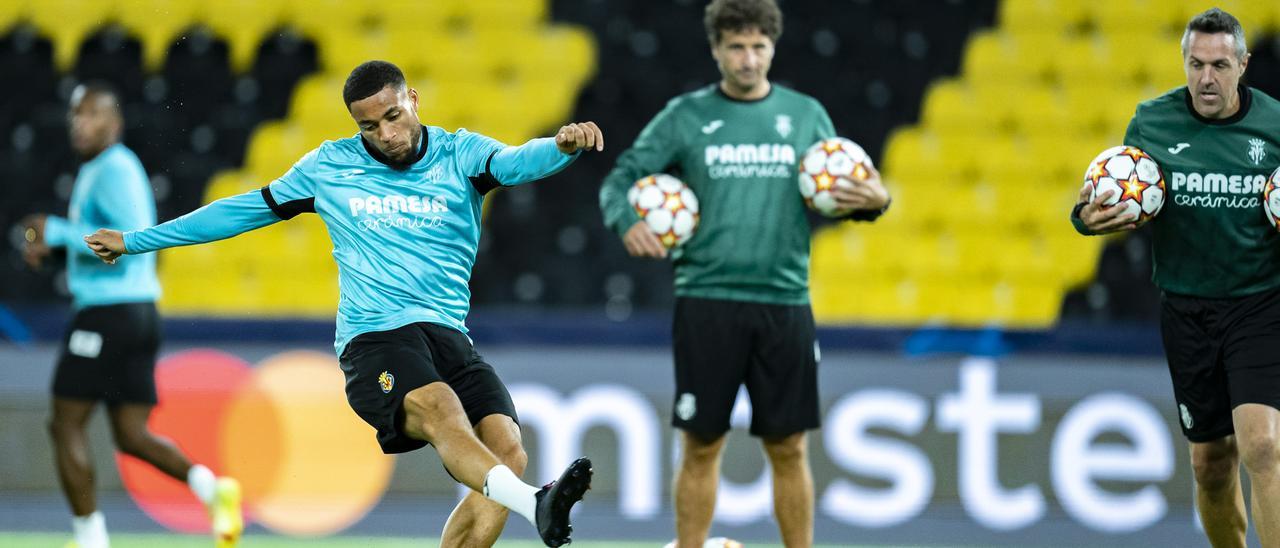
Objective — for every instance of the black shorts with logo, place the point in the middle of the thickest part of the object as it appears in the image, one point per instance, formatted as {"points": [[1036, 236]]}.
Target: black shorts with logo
{"points": [[381, 367], [720, 345], [1222, 353], [109, 354]]}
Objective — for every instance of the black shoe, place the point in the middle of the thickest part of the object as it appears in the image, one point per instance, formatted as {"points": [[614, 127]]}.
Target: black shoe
{"points": [[555, 499]]}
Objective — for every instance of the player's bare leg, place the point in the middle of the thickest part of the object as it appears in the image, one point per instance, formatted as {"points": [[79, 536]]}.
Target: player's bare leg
{"points": [[695, 488], [1258, 435], [433, 413], [478, 521], [220, 495], [71, 452], [792, 488], [1219, 499], [129, 428]]}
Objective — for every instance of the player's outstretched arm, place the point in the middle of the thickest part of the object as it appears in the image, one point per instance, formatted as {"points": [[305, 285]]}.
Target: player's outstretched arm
{"points": [[216, 221], [544, 157], [1093, 217]]}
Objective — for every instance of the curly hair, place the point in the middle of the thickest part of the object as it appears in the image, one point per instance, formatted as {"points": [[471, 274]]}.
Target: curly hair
{"points": [[741, 15], [369, 78]]}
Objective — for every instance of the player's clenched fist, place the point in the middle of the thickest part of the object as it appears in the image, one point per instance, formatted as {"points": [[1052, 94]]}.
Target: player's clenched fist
{"points": [[107, 244], [579, 136]]}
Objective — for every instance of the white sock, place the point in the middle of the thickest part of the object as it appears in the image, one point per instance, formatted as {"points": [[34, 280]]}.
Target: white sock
{"points": [[504, 487], [202, 482], [90, 531]]}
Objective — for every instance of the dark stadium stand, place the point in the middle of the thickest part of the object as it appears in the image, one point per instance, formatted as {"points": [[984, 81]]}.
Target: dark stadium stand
{"points": [[868, 62], [185, 121]]}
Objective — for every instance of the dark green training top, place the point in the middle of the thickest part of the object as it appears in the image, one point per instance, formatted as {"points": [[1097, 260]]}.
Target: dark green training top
{"points": [[1212, 239], [740, 159]]}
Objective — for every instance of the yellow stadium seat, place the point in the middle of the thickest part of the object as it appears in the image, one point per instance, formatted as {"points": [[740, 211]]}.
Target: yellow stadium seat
{"points": [[947, 107], [421, 18], [504, 14], [67, 23], [243, 23], [1085, 61], [320, 17], [11, 13], [1032, 16], [156, 23], [1128, 16]]}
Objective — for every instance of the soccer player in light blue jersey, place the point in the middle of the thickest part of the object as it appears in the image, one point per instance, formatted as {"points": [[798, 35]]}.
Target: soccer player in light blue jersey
{"points": [[109, 352], [402, 205]]}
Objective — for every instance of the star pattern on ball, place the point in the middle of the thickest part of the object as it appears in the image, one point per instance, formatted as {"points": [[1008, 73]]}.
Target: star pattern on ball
{"points": [[824, 181], [673, 201], [1135, 153], [1097, 171], [1132, 188]]}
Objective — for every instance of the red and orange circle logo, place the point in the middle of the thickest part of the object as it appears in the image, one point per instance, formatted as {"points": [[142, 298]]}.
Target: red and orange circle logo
{"points": [[307, 464]]}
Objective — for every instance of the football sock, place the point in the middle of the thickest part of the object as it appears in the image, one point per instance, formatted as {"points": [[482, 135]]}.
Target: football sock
{"points": [[90, 531], [504, 487], [202, 482]]}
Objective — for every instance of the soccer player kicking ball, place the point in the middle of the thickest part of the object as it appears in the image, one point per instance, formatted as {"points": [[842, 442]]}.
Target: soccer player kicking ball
{"points": [[401, 202], [1217, 263], [742, 309], [109, 352]]}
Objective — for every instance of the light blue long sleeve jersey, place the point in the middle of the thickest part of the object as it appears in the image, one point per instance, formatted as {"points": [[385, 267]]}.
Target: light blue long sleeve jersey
{"points": [[404, 239], [111, 191]]}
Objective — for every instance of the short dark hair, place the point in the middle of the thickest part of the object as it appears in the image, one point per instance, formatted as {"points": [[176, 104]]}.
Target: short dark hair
{"points": [[742, 15], [1214, 21], [369, 78]]}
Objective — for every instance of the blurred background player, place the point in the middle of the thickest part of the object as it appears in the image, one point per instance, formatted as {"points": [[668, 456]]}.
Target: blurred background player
{"points": [[402, 203], [742, 311], [109, 350], [1218, 267]]}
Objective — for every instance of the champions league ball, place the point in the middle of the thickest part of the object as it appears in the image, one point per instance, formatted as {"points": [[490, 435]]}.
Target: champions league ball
{"points": [[827, 164], [667, 206], [1271, 199], [1134, 179]]}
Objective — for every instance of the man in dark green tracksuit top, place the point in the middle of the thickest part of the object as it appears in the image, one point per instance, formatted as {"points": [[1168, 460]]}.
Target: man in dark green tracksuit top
{"points": [[1217, 262], [742, 312]]}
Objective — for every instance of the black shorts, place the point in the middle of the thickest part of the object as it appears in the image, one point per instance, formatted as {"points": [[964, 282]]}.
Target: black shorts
{"points": [[109, 353], [1221, 353], [720, 345], [383, 366]]}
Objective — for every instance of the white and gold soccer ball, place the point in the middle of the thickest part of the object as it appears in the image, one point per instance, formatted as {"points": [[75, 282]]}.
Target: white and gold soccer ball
{"points": [[1271, 198], [1134, 179], [827, 164], [667, 206]]}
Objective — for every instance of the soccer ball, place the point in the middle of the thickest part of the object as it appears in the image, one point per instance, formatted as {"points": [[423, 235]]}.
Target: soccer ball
{"points": [[1134, 179], [713, 542], [667, 206], [1271, 199], [828, 163]]}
